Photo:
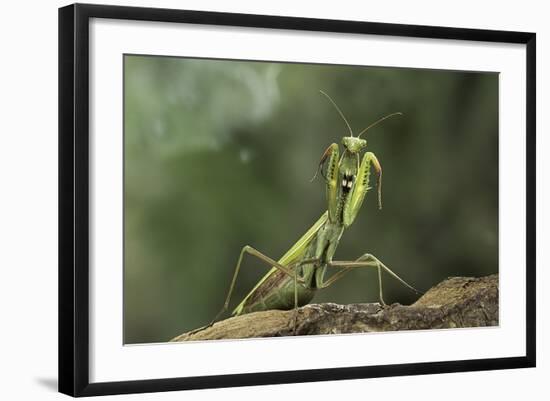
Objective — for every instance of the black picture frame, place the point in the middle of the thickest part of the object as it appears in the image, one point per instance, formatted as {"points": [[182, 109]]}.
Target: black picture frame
{"points": [[74, 193]]}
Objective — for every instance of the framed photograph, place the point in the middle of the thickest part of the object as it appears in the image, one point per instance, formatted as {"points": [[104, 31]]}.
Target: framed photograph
{"points": [[252, 199]]}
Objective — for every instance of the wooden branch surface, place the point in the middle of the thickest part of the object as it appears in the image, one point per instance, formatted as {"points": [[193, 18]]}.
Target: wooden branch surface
{"points": [[455, 302]]}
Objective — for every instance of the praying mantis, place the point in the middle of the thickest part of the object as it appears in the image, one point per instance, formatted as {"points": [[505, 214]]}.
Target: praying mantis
{"points": [[294, 279]]}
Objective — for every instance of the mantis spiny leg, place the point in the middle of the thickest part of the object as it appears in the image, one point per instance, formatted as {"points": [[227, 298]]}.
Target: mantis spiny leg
{"points": [[331, 179], [328, 152], [366, 260], [361, 186]]}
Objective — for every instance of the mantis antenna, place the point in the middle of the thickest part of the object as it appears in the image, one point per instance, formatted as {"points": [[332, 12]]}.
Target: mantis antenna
{"points": [[339, 111], [398, 113]]}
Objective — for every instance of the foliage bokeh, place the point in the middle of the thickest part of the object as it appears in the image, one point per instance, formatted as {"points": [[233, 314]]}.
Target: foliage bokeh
{"points": [[219, 154]]}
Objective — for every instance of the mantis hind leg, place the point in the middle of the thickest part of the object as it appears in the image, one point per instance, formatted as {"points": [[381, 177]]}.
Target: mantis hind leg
{"points": [[291, 271], [295, 316], [366, 260]]}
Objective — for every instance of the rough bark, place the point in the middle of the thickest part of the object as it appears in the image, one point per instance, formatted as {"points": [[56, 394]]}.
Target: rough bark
{"points": [[455, 302]]}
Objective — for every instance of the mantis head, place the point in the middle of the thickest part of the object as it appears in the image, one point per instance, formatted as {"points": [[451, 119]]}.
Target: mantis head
{"points": [[354, 144]]}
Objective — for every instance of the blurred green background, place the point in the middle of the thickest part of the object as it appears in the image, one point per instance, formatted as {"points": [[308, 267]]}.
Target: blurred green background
{"points": [[219, 154]]}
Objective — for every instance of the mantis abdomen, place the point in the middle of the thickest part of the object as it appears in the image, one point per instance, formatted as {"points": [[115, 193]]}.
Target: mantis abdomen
{"points": [[277, 293]]}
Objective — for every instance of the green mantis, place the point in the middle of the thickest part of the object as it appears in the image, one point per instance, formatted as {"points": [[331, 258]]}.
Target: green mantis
{"points": [[293, 279]]}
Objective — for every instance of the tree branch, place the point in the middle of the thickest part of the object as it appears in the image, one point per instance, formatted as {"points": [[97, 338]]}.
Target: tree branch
{"points": [[455, 302]]}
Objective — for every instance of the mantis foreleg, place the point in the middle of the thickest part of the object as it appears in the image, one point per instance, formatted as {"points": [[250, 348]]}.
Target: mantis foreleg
{"points": [[366, 260], [361, 186]]}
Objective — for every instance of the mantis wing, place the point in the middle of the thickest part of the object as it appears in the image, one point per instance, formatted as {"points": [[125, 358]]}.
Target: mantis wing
{"points": [[292, 255]]}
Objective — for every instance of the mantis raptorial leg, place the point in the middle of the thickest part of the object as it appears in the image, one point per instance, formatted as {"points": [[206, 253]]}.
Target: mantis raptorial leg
{"points": [[366, 260]]}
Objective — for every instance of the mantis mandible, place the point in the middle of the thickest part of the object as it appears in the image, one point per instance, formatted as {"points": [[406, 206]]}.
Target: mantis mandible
{"points": [[293, 279]]}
